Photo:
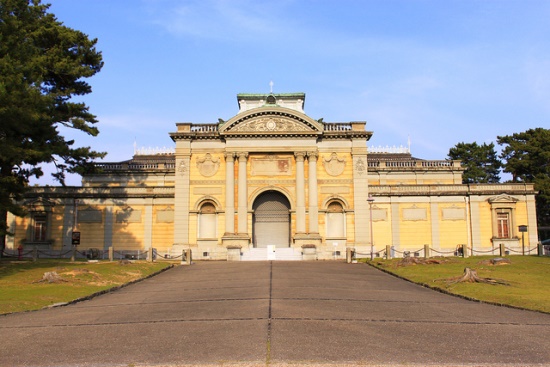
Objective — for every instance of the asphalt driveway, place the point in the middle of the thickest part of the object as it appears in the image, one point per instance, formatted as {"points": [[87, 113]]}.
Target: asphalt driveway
{"points": [[273, 313]]}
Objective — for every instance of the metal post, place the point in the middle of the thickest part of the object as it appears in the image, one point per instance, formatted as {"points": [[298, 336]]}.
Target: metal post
{"points": [[522, 229]]}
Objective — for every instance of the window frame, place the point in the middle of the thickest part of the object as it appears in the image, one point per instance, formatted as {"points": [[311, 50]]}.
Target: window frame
{"points": [[207, 213], [335, 222]]}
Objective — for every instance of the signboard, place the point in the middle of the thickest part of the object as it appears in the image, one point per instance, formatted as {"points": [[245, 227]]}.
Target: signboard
{"points": [[76, 238], [523, 228]]}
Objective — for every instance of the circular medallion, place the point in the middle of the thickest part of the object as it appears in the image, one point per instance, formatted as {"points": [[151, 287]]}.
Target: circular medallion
{"points": [[271, 125]]}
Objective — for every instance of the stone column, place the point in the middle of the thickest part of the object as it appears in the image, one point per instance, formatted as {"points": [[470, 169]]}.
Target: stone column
{"points": [[229, 193], [313, 197], [242, 199], [300, 194]]}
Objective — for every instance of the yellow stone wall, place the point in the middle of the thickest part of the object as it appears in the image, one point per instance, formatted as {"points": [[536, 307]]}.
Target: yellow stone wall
{"points": [[163, 232]]}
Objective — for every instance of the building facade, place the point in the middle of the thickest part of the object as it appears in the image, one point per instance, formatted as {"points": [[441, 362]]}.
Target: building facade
{"points": [[274, 183]]}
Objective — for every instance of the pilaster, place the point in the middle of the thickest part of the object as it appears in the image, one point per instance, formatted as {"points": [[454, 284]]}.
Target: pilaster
{"points": [[229, 192], [243, 195], [360, 196], [181, 193], [300, 194], [313, 194], [108, 228], [148, 225]]}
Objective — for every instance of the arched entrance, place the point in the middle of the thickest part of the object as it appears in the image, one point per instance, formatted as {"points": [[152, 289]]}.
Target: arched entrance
{"points": [[271, 220]]}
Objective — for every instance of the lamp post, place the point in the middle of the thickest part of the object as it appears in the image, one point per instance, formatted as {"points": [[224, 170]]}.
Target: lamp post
{"points": [[370, 200]]}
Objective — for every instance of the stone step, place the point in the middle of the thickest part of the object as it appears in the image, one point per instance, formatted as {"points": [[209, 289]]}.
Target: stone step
{"points": [[262, 254]]}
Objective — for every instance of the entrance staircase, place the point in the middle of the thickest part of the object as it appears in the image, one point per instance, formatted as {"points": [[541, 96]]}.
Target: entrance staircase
{"points": [[264, 254]]}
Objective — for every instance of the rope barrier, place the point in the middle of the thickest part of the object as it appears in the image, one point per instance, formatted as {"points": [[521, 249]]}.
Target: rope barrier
{"points": [[442, 252], [486, 252]]}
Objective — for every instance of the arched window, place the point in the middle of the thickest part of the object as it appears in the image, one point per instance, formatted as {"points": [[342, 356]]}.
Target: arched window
{"points": [[207, 221], [335, 220]]}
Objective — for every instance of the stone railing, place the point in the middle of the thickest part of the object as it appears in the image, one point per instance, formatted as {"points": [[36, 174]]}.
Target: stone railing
{"points": [[204, 128], [387, 149], [145, 165], [111, 166], [393, 164], [338, 126], [465, 189], [154, 151]]}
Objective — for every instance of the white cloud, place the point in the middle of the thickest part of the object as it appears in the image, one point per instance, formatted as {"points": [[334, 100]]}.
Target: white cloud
{"points": [[218, 19]]}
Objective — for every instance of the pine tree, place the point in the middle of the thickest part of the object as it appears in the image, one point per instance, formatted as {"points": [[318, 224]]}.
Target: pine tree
{"points": [[481, 162], [42, 66], [527, 158]]}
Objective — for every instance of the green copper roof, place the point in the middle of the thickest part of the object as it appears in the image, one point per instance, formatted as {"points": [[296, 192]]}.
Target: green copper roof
{"points": [[265, 95]]}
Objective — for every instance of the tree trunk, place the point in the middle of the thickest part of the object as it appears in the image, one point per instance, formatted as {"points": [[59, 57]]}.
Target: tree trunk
{"points": [[3, 230]]}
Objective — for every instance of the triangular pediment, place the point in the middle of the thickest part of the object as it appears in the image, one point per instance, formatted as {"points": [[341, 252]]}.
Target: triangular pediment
{"points": [[502, 198], [39, 204], [271, 121]]}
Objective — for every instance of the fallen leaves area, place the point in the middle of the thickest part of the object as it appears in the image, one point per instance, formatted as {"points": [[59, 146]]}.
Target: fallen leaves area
{"points": [[407, 261], [87, 276]]}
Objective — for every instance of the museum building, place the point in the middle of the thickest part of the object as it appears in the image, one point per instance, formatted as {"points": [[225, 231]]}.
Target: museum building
{"points": [[274, 183]]}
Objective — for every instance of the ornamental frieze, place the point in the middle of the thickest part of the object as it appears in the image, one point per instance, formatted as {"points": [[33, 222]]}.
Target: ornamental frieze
{"points": [[207, 166], [334, 165], [270, 124]]}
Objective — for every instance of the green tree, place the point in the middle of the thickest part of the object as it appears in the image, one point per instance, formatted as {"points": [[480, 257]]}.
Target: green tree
{"points": [[527, 158], [42, 66], [481, 162]]}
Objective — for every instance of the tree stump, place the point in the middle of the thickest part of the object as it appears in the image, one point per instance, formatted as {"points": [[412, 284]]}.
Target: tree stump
{"points": [[470, 276]]}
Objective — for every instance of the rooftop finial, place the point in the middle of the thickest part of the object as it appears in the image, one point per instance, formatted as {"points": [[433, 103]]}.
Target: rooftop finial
{"points": [[271, 86]]}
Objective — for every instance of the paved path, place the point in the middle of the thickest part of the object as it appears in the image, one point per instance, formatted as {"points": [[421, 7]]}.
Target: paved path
{"points": [[262, 313]]}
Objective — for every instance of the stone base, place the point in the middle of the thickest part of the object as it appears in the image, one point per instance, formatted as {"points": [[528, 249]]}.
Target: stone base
{"points": [[309, 253], [234, 253], [236, 240], [303, 239]]}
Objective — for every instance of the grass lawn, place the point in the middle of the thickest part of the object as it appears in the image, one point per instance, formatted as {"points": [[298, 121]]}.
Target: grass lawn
{"points": [[528, 276], [21, 289]]}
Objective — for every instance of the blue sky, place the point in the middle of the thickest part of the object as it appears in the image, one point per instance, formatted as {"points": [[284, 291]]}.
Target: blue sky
{"points": [[439, 72]]}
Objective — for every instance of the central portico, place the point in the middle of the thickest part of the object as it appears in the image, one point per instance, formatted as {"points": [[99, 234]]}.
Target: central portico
{"points": [[253, 181]]}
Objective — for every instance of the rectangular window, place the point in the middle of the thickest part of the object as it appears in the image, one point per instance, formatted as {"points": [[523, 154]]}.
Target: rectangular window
{"points": [[335, 225], [207, 226], [40, 227], [503, 225]]}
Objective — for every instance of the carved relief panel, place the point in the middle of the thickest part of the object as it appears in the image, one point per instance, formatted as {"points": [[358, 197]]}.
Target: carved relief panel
{"points": [[271, 165], [208, 166], [334, 165]]}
